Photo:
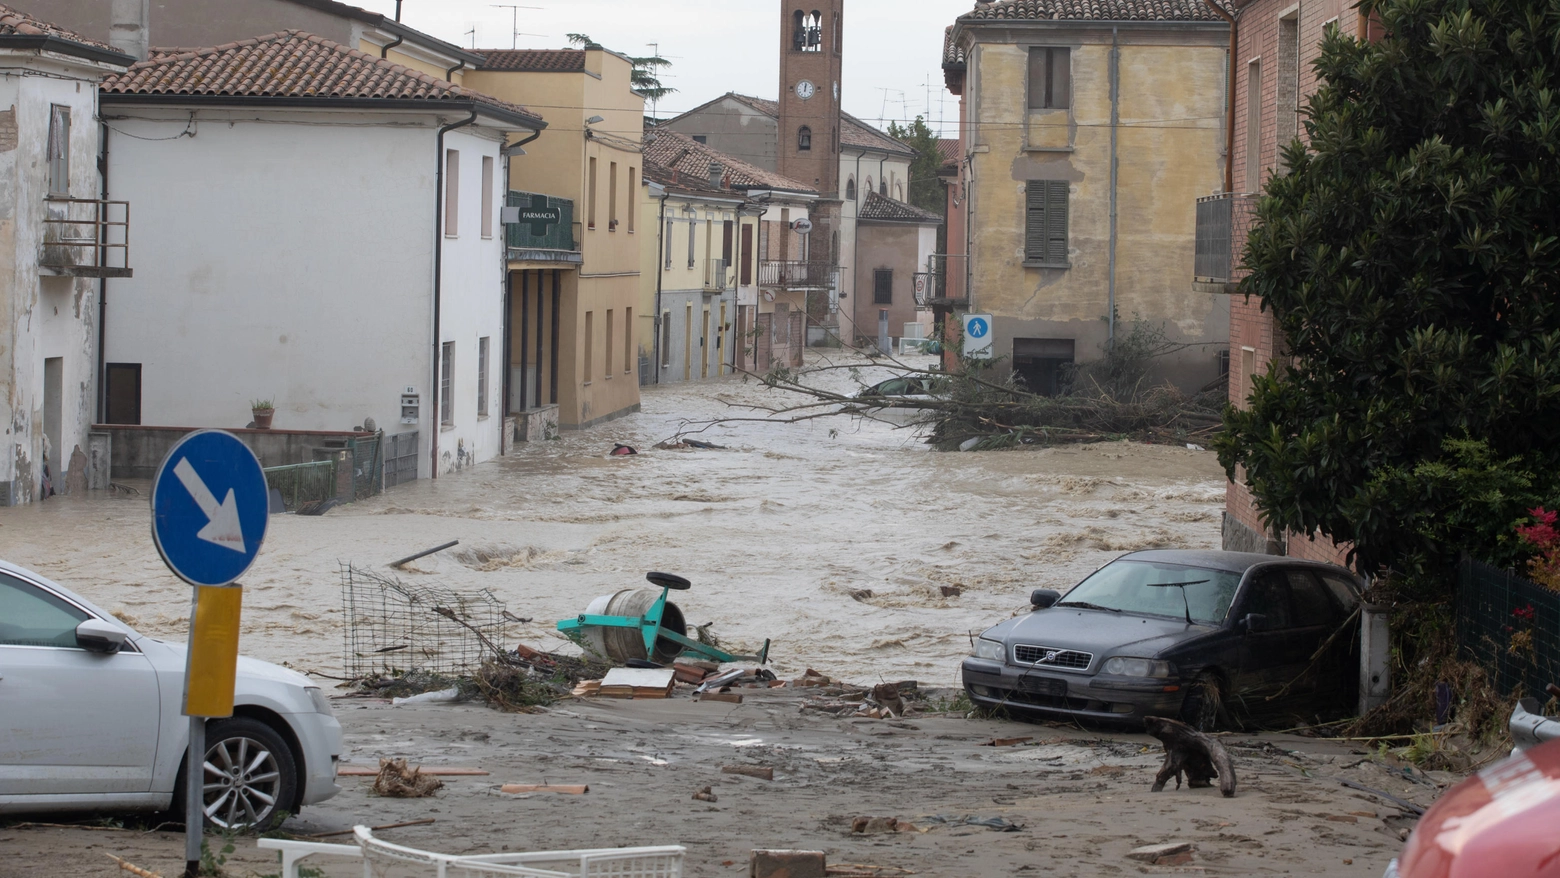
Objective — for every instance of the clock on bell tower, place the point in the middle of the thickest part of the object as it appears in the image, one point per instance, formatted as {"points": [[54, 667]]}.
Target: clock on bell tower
{"points": [[811, 33]]}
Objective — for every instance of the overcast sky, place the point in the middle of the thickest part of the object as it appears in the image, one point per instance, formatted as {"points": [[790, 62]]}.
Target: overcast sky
{"points": [[893, 48]]}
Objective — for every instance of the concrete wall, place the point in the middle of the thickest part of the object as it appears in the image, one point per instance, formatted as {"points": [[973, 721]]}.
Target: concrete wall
{"points": [[43, 318], [289, 258], [139, 451], [1169, 139]]}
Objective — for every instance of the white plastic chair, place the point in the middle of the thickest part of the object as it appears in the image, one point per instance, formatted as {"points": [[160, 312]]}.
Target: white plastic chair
{"points": [[663, 861], [380, 856], [293, 851]]}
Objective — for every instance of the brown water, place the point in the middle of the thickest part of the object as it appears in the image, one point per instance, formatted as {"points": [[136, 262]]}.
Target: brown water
{"points": [[782, 534]]}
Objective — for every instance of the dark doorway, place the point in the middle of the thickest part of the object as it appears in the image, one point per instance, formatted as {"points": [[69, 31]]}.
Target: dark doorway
{"points": [[1043, 365], [123, 396]]}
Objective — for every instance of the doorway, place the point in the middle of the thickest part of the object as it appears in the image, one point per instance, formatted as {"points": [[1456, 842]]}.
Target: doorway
{"points": [[123, 395], [704, 345], [1043, 365], [54, 413]]}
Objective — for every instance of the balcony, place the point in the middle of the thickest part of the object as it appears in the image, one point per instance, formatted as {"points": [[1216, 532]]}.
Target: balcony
{"points": [[540, 228], [715, 275], [1222, 223], [84, 237], [942, 284], [792, 275]]}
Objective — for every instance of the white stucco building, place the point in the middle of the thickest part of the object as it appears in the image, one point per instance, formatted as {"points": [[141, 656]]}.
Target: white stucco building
{"points": [[318, 227], [50, 259]]}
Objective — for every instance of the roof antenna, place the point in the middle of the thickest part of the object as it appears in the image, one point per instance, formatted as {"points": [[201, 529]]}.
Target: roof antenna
{"points": [[397, 10]]}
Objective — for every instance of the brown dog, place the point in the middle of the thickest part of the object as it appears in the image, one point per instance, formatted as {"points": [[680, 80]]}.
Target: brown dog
{"points": [[1187, 750]]}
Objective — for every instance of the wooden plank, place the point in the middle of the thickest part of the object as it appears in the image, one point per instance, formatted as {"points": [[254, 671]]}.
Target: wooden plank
{"points": [[566, 789]]}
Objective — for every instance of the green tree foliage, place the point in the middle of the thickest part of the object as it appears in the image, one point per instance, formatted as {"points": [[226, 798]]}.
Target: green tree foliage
{"points": [[646, 71], [1410, 258], [925, 191]]}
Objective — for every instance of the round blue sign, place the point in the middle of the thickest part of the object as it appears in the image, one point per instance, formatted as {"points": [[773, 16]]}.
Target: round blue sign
{"points": [[978, 327], [209, 508]]}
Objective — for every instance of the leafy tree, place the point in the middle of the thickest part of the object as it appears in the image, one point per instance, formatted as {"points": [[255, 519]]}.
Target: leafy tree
{"points": [[1410, 257], [925, 191], [646, 71]]}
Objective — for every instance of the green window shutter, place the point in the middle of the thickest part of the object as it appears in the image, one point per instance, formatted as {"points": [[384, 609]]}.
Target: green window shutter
{"points": [[1034, 221], [1056, 221]]}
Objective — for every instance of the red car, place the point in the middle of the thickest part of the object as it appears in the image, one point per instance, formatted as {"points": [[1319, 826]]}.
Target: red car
{"points": [[1502, 823]]}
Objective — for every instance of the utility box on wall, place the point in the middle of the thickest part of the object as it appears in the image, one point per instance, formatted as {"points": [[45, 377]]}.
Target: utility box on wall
{"points": [[411, 406]]}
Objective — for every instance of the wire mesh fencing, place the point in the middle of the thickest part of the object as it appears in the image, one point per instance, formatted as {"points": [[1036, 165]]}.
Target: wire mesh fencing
{"points": [[392, 625], [1509, 625]]}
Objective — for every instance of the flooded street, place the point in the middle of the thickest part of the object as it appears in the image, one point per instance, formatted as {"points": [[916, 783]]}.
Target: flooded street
{"points": [[832, 537]]}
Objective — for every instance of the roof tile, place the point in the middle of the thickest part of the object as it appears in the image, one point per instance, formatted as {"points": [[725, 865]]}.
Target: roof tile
{"points": [[667, 151], [14, 22], [534, 60], [1091, 10], [885, 209]]}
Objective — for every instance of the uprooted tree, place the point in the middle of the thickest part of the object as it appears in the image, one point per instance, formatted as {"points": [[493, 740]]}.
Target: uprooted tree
{"points": [[1411, 258]]}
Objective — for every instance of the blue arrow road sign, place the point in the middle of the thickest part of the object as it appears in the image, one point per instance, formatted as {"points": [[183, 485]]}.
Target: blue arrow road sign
{"points": [[209, 508], [978, 327]]}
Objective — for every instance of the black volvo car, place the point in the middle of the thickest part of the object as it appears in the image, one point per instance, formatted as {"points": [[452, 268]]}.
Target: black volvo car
{"points": [[1204, 636]]}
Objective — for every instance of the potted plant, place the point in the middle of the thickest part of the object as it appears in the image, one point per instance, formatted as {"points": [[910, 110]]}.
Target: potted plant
{"points": [[263, 410]]}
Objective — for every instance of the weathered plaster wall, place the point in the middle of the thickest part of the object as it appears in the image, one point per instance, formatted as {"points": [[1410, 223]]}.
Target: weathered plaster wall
{"points": [[1169, 140], [895, 246]]}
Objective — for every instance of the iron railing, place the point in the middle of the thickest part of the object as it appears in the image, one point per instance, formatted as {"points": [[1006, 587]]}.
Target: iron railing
{"points": [[1509, 625], [796, 275], [942, 283], [541, 235], [301, 483], [85, 237], [1222, 222], [715, 274]]}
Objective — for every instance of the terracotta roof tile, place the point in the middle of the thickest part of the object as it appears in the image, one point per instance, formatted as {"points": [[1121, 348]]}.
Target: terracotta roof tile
{"points": [[1092, 10], [953, 53], [949, 150], [533, 60], [853, 131], [667, 151], [290, 64], [14, 22], [884, 209]]}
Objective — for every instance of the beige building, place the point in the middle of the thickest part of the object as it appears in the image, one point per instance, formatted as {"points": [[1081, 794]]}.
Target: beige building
{"points": [[1089, 132], [574, 252]]}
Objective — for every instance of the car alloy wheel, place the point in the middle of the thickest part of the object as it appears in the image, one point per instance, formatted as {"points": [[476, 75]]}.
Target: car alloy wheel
{"points": [[250, 775]]}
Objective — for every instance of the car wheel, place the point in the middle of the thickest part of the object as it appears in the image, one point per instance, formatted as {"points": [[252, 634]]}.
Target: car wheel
{"points": [[251, 776], [1203, 706]]}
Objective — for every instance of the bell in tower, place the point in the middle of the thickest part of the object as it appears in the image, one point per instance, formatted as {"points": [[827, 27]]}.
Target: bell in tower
{"points": [[810, 62]]}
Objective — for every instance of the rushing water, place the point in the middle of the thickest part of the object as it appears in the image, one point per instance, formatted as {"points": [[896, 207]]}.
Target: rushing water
{"points": [[832, 537]]}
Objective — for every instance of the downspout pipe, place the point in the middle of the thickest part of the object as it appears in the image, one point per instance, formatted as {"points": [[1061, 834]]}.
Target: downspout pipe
{"points": [[449, 75], [1115, 119], [1229, 100], [102, 335], [384, 50], [438, 277], [660, 272]]}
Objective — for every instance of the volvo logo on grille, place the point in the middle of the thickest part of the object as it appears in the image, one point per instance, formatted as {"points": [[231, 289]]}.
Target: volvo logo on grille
{"points": [[1051, 655]]}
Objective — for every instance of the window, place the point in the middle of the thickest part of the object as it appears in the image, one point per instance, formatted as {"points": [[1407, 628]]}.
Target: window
{"points": [[693, 231], [628, 340], [883, 286], [451, 193], [612, 217], [669, 226], [633, 197], [726, 231], [447, 384], [487, 196], [1270, 598], [590, 347], [1286, 107], [869, 185], [1050, 78], [803, 139], [123, 398], [1045, 228], [1254, 126], [590, 209], [30, 616], [807, 31], [606, 349], [850, 189], [58, 153], [482, 377]]}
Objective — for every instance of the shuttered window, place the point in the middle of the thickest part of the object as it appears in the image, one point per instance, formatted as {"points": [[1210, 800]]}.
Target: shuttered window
{"points": [[1045, 226]]}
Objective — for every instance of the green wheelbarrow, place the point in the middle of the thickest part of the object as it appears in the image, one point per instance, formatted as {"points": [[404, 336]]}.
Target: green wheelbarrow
{"points": [[641, 625]]}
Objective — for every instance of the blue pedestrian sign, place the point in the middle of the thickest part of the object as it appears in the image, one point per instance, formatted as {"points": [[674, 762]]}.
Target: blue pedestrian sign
{"points": [[977, 336], [209, 508]]}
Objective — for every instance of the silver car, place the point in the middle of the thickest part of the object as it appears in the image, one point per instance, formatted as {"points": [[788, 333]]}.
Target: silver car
{"points": [[90, 719]]}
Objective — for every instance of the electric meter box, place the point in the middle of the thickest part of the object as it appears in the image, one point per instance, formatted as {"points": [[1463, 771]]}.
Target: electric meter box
{"points": [[411, 406]]}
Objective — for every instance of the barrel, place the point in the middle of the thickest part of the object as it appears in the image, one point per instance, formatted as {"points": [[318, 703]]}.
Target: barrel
{"points": [[623, 644]]}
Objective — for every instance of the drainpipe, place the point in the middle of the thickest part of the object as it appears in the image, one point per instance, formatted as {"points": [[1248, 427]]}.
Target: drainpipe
{"points": [[1229, 101], [449, 75], [660, 272], [384, 50], [438, 272], [1115, 119], [102, 357]]}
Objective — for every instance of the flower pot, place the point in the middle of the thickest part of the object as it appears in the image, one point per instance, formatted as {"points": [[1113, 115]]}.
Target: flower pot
{"points": [[263, 418]]}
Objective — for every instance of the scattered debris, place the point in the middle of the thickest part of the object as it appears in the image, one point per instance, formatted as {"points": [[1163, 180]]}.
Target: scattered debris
{"points": [[1006, 742], [877, 825], [762, 772], [438, 696], [319, 507], [705, 795], [396, 781], [1200, 756], [1174, 853], [423, 554], [996, 824], [637, 683], [430, 771], [423, 822], [727, 697], [133, 869], [950, 591], [861, 594], [888, 700], [565, 789], [621, 450]]}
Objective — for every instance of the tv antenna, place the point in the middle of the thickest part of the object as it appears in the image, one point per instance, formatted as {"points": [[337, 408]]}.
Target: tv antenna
{"points": [[514, 22]]}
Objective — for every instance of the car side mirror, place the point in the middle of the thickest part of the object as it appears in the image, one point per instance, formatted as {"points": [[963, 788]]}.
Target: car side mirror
{"points": [[1254, 622], [1042, 598], [95, 635]]}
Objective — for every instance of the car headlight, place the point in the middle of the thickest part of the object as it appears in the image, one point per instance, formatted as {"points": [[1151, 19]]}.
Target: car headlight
{"points": [[321, 703], [1124, 666], [990, 649]]}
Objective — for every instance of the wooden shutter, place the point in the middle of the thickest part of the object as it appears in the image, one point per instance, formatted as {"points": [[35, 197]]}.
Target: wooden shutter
{"points": [[747, 256], [1045, 226], [725, 241]]}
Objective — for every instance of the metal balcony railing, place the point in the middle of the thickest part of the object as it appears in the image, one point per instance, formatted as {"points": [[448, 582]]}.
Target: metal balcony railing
{"points": [[715, 274], [85, 237], [942, 283], [796, 275], [1222, 223]]}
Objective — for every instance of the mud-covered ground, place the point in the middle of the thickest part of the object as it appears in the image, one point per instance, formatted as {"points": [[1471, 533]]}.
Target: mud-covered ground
{"points": [[1081, 797]]}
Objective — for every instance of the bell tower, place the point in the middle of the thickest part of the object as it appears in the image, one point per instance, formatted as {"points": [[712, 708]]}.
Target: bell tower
{"points": [[808, 148]]}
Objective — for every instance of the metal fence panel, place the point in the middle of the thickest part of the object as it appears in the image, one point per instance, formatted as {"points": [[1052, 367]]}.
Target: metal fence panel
{"points": [[400, 458], [303, 482], [368, 465], [1510, 625]]}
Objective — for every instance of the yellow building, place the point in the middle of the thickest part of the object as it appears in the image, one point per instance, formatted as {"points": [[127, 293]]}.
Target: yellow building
{"points": [[574, 259], [1090, 130]]}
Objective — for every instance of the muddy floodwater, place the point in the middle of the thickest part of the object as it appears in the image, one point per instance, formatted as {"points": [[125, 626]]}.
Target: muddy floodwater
{"points": [[834, 538]]}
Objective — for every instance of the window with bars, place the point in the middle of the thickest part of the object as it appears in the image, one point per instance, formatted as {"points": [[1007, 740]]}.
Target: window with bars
{"points": [[1045, 223], [883, 286], [58, 150], [482, 377], [447, 384], [1050, 78]]}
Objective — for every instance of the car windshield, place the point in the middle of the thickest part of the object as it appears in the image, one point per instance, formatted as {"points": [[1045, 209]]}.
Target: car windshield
{"points": [[1130, 586]]}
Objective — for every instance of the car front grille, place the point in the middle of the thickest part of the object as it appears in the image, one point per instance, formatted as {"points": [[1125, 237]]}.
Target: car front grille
{"points": [[1068, 659]]}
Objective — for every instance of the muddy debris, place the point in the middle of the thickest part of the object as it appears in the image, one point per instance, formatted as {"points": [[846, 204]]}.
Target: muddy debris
{"points": [[397, 781]]}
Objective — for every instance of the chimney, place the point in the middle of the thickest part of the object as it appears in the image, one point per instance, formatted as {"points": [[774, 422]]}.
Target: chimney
{"points": [[716, 172], [129, 29]]}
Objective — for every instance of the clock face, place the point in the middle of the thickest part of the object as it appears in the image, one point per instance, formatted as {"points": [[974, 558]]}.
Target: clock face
{"points": [[805, 89]]}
